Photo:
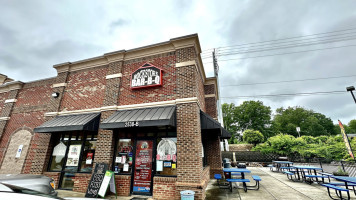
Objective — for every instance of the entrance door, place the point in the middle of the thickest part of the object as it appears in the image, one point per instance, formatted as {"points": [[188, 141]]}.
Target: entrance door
{"points": [[142, 180]]}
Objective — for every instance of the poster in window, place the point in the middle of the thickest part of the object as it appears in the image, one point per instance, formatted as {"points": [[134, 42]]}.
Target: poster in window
{"points": [[159, 166], [166, 149], [89, 159], [59, 149], [73, 155]]}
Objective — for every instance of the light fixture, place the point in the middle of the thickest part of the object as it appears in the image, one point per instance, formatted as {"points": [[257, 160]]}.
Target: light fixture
{"points": [[350, 89], [55, 94]]}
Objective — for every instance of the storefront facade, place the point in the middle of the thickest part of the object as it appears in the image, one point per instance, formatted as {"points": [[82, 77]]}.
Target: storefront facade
{"points": [[149, 113]]}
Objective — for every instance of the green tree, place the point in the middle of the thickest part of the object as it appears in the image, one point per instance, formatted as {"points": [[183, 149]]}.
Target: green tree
{"points": [[352, 126], [310, 122], [252, 136], [254, 115], [228, 112]]}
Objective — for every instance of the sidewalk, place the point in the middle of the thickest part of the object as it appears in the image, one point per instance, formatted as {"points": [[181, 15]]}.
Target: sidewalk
{"points": [[274, 185]]}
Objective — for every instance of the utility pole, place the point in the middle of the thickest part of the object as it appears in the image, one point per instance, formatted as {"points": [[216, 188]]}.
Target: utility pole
{"points": [[216, 74]]}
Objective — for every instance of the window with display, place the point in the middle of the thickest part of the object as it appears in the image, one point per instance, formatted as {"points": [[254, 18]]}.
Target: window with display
{"points": [[124, 156], [73, 152], [68, 152], [166, 157]]}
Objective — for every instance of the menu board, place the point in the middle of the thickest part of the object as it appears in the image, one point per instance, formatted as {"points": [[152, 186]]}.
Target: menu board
{"points": [[143, 166], [96, 179]]}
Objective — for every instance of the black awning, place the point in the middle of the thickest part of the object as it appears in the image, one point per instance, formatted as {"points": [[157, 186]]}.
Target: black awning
{"points": [[143, 117], [207, 122], [87, 122], [225, 134]]}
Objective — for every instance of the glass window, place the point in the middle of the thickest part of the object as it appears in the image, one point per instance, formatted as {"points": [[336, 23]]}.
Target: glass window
{"points": [[124, 156], [166, 158], [87, 160], [58, 154]]}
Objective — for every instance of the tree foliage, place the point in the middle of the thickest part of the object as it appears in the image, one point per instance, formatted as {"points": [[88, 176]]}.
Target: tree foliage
{"points": [[252, 136], [328, 147], [310, 122], [228, 111]]}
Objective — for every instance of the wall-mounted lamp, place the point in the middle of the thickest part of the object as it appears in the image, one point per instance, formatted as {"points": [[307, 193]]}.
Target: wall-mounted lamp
{"points": [[55, 94], [350, 89]]}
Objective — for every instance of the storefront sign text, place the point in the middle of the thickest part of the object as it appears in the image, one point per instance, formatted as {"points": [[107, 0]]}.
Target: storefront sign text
{"points": [[146, 76]]}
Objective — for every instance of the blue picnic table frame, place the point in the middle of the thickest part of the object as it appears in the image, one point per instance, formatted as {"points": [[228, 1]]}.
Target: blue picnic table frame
{"points": [[301, 171], [239, 170], [280, 164]]}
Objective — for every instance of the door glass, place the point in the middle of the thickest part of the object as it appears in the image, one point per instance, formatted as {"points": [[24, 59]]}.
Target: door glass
{"points": [[143, 166], [123, 158], [88, 156]]}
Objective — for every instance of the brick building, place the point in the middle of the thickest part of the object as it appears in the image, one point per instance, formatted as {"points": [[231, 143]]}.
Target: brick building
{"points": [[149, 113]]}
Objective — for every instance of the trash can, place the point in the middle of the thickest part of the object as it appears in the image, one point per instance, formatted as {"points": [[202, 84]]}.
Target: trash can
{"points": [[241, 165], [187, 195], [226, 160], [227, 165]]}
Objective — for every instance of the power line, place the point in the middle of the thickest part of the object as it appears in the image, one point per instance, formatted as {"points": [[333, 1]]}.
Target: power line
{"points": [[283, 47], [326, 37], [290, 38], [284, 53], [286, 46], [287, 81], [287, 95]]}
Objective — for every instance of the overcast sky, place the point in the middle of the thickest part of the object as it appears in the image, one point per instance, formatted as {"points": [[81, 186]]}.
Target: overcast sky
{"points": [[35, 35]]}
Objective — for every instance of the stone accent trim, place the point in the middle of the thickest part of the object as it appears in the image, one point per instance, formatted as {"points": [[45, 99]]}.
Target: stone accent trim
{"points": [[209, 95], [10, 100], [4, 118], [134, 106], [119, 75], [187, 63], [59, 85]]}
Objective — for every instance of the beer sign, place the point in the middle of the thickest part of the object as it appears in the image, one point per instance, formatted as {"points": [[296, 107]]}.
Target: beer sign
{"points": [[146, 76]]}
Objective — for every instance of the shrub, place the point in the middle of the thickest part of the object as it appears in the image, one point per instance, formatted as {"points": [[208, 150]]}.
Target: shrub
{"points": [[252, 136]]}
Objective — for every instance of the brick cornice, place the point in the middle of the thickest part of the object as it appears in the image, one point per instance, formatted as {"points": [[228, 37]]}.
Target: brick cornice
{"points": [[15, 85], [124, 55]]}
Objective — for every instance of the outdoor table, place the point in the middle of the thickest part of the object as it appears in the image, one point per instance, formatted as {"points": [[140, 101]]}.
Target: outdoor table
{"points": [[346, 180], [280, 164], [310, 169], [240, 170]]}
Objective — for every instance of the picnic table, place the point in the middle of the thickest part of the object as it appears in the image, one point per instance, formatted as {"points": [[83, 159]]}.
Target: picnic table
{"points": [[312, 173], [281, 164], [242, 171], [345, 181]]}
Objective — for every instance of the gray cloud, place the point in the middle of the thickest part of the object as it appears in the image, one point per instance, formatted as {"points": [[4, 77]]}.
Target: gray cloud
{"points": [[36, 35]]}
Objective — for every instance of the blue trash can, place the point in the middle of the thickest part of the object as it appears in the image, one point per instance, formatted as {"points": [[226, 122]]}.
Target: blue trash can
{"points": [[187, 195]]}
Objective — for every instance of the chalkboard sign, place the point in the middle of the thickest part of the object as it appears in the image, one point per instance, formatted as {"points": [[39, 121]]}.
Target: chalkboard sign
{"points": [[96, 180]]}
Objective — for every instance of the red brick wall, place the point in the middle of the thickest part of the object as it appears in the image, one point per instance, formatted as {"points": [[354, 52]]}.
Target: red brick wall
{"points": [[165, 92], [213, 154], [55, 176], [123, 184], [200, 91], [209, 89], [210, 103], [164, 188], [85, 89], [28, 113], [3, 97], [81, 182]]}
